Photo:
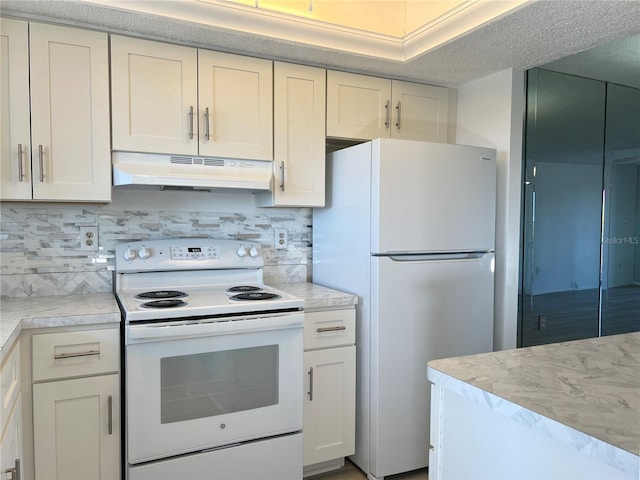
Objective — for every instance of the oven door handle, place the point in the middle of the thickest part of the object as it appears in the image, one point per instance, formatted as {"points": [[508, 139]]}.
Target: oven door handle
{"points": [[211, 328]]}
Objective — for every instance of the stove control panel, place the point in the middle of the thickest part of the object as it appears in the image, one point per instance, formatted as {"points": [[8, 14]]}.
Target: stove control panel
{"points": [[209, 252], [183, 254]]}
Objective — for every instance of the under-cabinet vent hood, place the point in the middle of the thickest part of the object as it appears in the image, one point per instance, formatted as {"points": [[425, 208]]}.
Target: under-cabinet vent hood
{"points": [[200, 173]]}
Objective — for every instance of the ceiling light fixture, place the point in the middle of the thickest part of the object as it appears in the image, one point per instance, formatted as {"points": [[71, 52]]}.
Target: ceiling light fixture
{"points": [[310, 8]]}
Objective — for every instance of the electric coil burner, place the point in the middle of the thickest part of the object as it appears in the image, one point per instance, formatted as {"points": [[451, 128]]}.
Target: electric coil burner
{"points": [[244, 288], [167, 303], [251, 296], [161, 294], [201, 329]]}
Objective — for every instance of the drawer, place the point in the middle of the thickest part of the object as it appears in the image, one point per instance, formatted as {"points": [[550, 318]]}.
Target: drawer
{"points": [[331, 328], [75, 353], [9, 383]]}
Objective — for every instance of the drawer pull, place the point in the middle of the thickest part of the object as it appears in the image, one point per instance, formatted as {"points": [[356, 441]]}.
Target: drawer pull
{"points": [[89, 353], [330, 329]]}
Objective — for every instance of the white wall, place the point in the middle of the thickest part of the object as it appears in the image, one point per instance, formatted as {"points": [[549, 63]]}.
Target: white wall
{"points": [[491, 114]]}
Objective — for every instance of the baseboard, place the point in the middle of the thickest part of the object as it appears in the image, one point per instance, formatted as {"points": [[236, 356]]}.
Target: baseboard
{"points": [[323, 467]]}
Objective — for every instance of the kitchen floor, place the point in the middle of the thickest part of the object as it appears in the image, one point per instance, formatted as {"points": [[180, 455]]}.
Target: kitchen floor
{"points": [[351, 472]]}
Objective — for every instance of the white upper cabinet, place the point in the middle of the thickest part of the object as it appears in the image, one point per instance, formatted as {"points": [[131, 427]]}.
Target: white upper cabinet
{"points": [[357, 106], [419, 112], [15, 165], [154, 96], [68, 155], [299, 137], [360, 107], [181, 100], [236, 106]]}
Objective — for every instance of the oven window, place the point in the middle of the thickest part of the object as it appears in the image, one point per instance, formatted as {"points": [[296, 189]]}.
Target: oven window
{"points": [[216, 383]]}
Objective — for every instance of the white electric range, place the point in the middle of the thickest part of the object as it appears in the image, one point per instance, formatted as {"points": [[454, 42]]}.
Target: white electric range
{"points": [[212, 360]]}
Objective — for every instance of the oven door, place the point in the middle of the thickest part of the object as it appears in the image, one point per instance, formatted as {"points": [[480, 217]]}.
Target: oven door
{"points": [[196, 386]]}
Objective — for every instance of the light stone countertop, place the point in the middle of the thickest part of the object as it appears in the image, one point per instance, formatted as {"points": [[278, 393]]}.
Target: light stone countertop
{"points": [[55, 311], [585, 393], [93, 308], [317, 296]]}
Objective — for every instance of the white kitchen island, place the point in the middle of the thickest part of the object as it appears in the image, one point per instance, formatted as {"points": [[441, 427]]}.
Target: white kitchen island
{"points": [[561, 411]]}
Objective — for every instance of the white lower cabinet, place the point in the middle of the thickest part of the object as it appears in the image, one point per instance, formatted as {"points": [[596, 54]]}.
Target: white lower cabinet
{"points": [[11, 445], [11, 452], [77, 428], [329, 393], [329, 411], [76, 405]]}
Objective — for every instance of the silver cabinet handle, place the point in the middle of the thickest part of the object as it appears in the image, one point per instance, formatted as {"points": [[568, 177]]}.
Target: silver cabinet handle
{"points": [[310, 392], [387, 114], [41, 162], [20, 168], [398, 118], [190, 122], [330, 329], [206, 124], [110, 413], [14, 471], [282, 176], [88, 353]]}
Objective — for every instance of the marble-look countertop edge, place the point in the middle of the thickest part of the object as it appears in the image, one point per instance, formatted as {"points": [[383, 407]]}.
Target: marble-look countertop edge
{"points": [[317, 296], [24, 313], [596, 448]]}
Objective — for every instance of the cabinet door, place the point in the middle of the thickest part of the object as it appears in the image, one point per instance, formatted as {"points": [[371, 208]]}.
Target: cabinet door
{"points": [[299, 136], [76, 427], [329, 405], [71, 152], [236, 106], [11, 443], [15, 164], [358, 106], [419, 112], [154, 96]]}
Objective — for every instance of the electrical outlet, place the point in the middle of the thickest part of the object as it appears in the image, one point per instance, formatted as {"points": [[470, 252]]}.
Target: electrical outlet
{"points": [[89, 238], [281, 238]]}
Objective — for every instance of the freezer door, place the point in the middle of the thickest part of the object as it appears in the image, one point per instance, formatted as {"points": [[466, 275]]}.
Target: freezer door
{"points": [[432, 197], [422, 308]]}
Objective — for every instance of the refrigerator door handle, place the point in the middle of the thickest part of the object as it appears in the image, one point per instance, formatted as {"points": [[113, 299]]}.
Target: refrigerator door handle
{"points": [[437, 257]]}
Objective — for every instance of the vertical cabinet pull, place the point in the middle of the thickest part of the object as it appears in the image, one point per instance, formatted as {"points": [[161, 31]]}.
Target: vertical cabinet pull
{"points": [[190, 115], [398, 118], [20, 168], [14, 471], [206, 124], [110, 413], [310, 392], [387, 114], [282, 176], [41, 162]]}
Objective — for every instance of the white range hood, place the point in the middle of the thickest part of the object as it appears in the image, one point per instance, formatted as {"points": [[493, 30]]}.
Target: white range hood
{"points": [[179, 171]]}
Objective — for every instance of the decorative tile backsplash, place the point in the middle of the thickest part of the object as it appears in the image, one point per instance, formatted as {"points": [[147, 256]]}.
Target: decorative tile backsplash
{"points": [[40, 242]]}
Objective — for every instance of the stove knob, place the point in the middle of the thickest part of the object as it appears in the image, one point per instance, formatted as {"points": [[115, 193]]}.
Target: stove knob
{"points": [[253, 252], [242, 251], [144, 253], [129, 254]]}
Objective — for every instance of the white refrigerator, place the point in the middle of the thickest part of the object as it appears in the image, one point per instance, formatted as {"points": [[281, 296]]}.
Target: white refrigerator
{"points": [[409, 228]]}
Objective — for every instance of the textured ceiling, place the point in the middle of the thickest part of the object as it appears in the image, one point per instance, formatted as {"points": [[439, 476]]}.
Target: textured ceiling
{"points": [[535, 34], [617, 62]]}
